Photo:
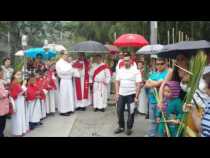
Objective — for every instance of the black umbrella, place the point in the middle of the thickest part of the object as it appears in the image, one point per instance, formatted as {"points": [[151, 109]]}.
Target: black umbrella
{"points": [[89, 47], [187, 47]]}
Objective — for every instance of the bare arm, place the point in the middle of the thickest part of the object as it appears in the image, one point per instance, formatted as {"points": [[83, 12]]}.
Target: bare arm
{"points": [[153, 84], [117, 85], [138, 88], [168, 78]]}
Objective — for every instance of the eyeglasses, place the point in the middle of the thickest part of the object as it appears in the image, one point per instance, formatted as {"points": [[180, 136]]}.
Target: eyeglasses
{"points": [[160, 64]]}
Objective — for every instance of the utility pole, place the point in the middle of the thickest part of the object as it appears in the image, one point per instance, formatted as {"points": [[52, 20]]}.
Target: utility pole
{"points": [[168, 37], [173, 35], [9, 46], [153, 32]]}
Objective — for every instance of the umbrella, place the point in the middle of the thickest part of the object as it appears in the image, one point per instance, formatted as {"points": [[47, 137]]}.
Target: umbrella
{"points": [[19, 53], [131, 40], [111, 48], [33, 52], [187, 47], [89, 47], [55, 47], [150, 49], [49, 54]]}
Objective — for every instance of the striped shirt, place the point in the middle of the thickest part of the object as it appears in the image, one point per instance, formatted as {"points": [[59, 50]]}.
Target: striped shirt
{"points": [[205, 122], [203, 100]]}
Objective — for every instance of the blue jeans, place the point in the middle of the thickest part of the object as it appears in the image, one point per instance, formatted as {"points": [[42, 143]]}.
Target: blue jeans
{"points": [[152, 120]]}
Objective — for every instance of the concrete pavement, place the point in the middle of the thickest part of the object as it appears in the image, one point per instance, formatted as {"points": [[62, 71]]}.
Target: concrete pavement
{"points": [[84, 124]]}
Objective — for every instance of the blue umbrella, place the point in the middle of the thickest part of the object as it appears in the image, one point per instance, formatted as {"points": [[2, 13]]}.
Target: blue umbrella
{"points": [[34, 52], [49, 54]]}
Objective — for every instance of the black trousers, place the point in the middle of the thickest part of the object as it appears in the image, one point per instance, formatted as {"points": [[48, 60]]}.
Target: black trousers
{"points": [[2, 125], [122, 101]]}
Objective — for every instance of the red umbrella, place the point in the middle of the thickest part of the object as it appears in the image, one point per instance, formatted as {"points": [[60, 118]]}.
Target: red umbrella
{"points": [[112, 49], [131, 40]]}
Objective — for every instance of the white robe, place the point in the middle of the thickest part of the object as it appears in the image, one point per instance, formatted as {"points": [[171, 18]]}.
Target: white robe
{"points": [[143, 102], [100, 91], [52, 101], [47, 103], [57, 94], [84, 102], [19, 120], [35, 113], [43, 109], [65, 72]]}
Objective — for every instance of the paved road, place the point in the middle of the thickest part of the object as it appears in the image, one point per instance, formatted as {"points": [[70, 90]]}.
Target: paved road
{"points": [[84, 124]]}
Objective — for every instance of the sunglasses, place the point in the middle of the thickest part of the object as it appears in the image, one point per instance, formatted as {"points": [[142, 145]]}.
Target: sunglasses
{"points": [[160, 64]]}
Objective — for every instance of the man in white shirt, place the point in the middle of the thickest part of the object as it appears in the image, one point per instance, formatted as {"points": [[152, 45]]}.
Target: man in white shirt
{"points": [[128, 81]]}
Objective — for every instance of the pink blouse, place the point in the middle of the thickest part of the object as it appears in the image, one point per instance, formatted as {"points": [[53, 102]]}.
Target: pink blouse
{"points": [[4, 100]]}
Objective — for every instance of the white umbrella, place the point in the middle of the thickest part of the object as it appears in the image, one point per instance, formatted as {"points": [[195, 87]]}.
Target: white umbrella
{"points": [[150, 49], [55, 47], [19, 53]]}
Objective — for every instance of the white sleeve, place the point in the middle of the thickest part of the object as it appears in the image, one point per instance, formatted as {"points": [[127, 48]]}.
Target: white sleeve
{"points": [[118, 76], [91, 75], [24, 88], [75, 72], [108, 76], [65, 71], [138, 76]]}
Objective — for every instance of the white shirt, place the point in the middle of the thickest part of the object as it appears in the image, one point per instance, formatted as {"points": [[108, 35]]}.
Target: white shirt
{"points": [[7, 73], [118, 65], [128, 79]]}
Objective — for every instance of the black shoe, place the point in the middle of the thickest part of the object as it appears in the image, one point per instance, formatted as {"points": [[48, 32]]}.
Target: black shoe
{"points": [[40, 123], [64, 114], [147, 117], [77, 109], [70, 112], [83, 109], [95, 109], [119, 130], [102, 110], [128, 132]]}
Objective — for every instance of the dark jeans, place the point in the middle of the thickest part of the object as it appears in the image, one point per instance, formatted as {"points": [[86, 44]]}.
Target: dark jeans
{"points": [[122, 101], [2, 125]]}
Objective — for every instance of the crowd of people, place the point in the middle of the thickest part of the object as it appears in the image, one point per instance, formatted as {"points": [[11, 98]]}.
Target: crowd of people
{"points": [[41, 88]]}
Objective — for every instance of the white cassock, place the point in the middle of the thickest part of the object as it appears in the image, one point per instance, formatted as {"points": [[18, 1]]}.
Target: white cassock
{"points": [[43, 109], [47, 103], [84, 102], [100, 90], [143, 102], [57, 94], [50, 101], [19, 118], [35, 113], [65, 72], [52, 97]]}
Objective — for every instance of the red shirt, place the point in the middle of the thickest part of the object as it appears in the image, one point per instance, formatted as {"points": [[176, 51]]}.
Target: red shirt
{"points": [[51, 81], [40, 84], [32, 92], [15, 89]]}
